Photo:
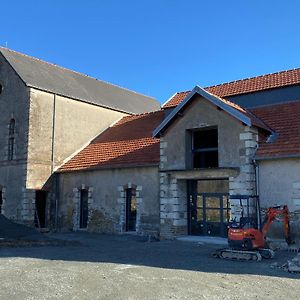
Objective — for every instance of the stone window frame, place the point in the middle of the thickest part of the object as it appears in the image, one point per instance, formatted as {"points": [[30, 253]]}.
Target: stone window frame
{"points": [[122, 206], [76, 203], [3, 194]]}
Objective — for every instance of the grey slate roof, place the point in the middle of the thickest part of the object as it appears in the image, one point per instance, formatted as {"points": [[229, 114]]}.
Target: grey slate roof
{"points": [[49, 77]]}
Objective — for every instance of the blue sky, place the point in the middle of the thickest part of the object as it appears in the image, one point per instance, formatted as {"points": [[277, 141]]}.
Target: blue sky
{"points": [[157, 47]]}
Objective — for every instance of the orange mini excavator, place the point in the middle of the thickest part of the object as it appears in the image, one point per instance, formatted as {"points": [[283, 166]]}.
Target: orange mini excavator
{"points": [[247, 239]]}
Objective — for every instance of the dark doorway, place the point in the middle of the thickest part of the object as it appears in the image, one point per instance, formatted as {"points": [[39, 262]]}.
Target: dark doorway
{"points": [[130, 209], [208, 207], [1, 201], [40, 208], [84, 209]]}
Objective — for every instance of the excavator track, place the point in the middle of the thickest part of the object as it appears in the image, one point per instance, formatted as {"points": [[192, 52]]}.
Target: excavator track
{"points": [[266, 253], [238, 255]]}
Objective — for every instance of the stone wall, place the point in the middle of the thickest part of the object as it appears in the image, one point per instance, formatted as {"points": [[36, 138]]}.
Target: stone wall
{"points": [[14, 105], [237, 145], [279, 184], [245, 183], [108, 198], [59, 127]]}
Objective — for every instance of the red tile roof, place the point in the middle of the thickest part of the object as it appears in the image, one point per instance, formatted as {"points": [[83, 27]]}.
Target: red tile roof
{"points": [[243, 86], [284, 119], [128, 143]]}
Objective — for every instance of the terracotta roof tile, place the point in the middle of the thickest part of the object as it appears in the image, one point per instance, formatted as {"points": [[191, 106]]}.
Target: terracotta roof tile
{"points": [[243, 86], [284, 119], [128, 143]]}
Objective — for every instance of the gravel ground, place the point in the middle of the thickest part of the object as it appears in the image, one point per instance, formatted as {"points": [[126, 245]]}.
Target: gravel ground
{"points": [[128, 267]]}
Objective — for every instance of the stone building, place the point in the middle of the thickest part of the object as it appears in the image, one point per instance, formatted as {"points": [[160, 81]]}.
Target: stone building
{"points": [[80, 154], [47, 114]]}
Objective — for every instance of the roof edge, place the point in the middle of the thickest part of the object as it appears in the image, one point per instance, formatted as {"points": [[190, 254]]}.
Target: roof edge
{"points": [[208, 96], [76, 72], [107, 167], [277, 156]]}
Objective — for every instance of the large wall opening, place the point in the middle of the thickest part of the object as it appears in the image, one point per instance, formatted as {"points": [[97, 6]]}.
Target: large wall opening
{"points": [[40, 208], [208, 207], [205, 148]]}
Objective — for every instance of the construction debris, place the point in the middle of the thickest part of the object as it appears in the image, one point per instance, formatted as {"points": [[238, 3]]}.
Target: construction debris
{"points": [[294, 264]]}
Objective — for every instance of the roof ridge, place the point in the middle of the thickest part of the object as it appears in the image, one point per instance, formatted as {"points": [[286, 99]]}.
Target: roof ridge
{"points": [[73, 71], [253, 77]]}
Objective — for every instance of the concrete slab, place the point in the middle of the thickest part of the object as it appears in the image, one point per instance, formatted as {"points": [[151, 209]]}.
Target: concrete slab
{"points": [[204, 239]]}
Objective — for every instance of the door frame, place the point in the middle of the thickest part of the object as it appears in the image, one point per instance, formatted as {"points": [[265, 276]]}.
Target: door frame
{"points": [[192, 198]]}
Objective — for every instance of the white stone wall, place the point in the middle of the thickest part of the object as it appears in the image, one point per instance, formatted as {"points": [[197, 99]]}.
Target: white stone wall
{"points": [[245, 183], [173, 209]]}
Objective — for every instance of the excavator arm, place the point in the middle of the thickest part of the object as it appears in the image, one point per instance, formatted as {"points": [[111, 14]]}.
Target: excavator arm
{"points": [[271, 215]]}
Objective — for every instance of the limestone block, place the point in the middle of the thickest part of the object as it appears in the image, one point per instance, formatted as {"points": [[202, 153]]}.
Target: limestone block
{"points": [[250, 144], [246, 136], [173, 187], [170, 201], [163, 158], [163, 145], [181, 222], [249, 168], [174, 193], [296, 185], [173, 181], [162, 194]]}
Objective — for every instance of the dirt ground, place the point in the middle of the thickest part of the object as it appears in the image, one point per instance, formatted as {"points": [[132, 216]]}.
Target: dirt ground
{"points": [[128, 267]]}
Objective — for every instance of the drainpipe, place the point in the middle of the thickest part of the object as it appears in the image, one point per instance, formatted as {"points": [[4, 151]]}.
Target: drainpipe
{"points": [[256, 167]]}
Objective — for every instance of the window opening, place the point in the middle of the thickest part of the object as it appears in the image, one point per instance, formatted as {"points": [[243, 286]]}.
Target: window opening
{"points": [[205, 148], [11, 139], [84, 210], [130, 209]]}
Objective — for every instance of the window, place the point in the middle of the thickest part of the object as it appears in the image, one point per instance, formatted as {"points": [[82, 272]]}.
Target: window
{"points": [[205, 148], [130, 209], [84, 208], [11, 139]]}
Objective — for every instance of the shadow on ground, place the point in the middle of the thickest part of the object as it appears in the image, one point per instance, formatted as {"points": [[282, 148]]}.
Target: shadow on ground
{"points": [[134, 250]]}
